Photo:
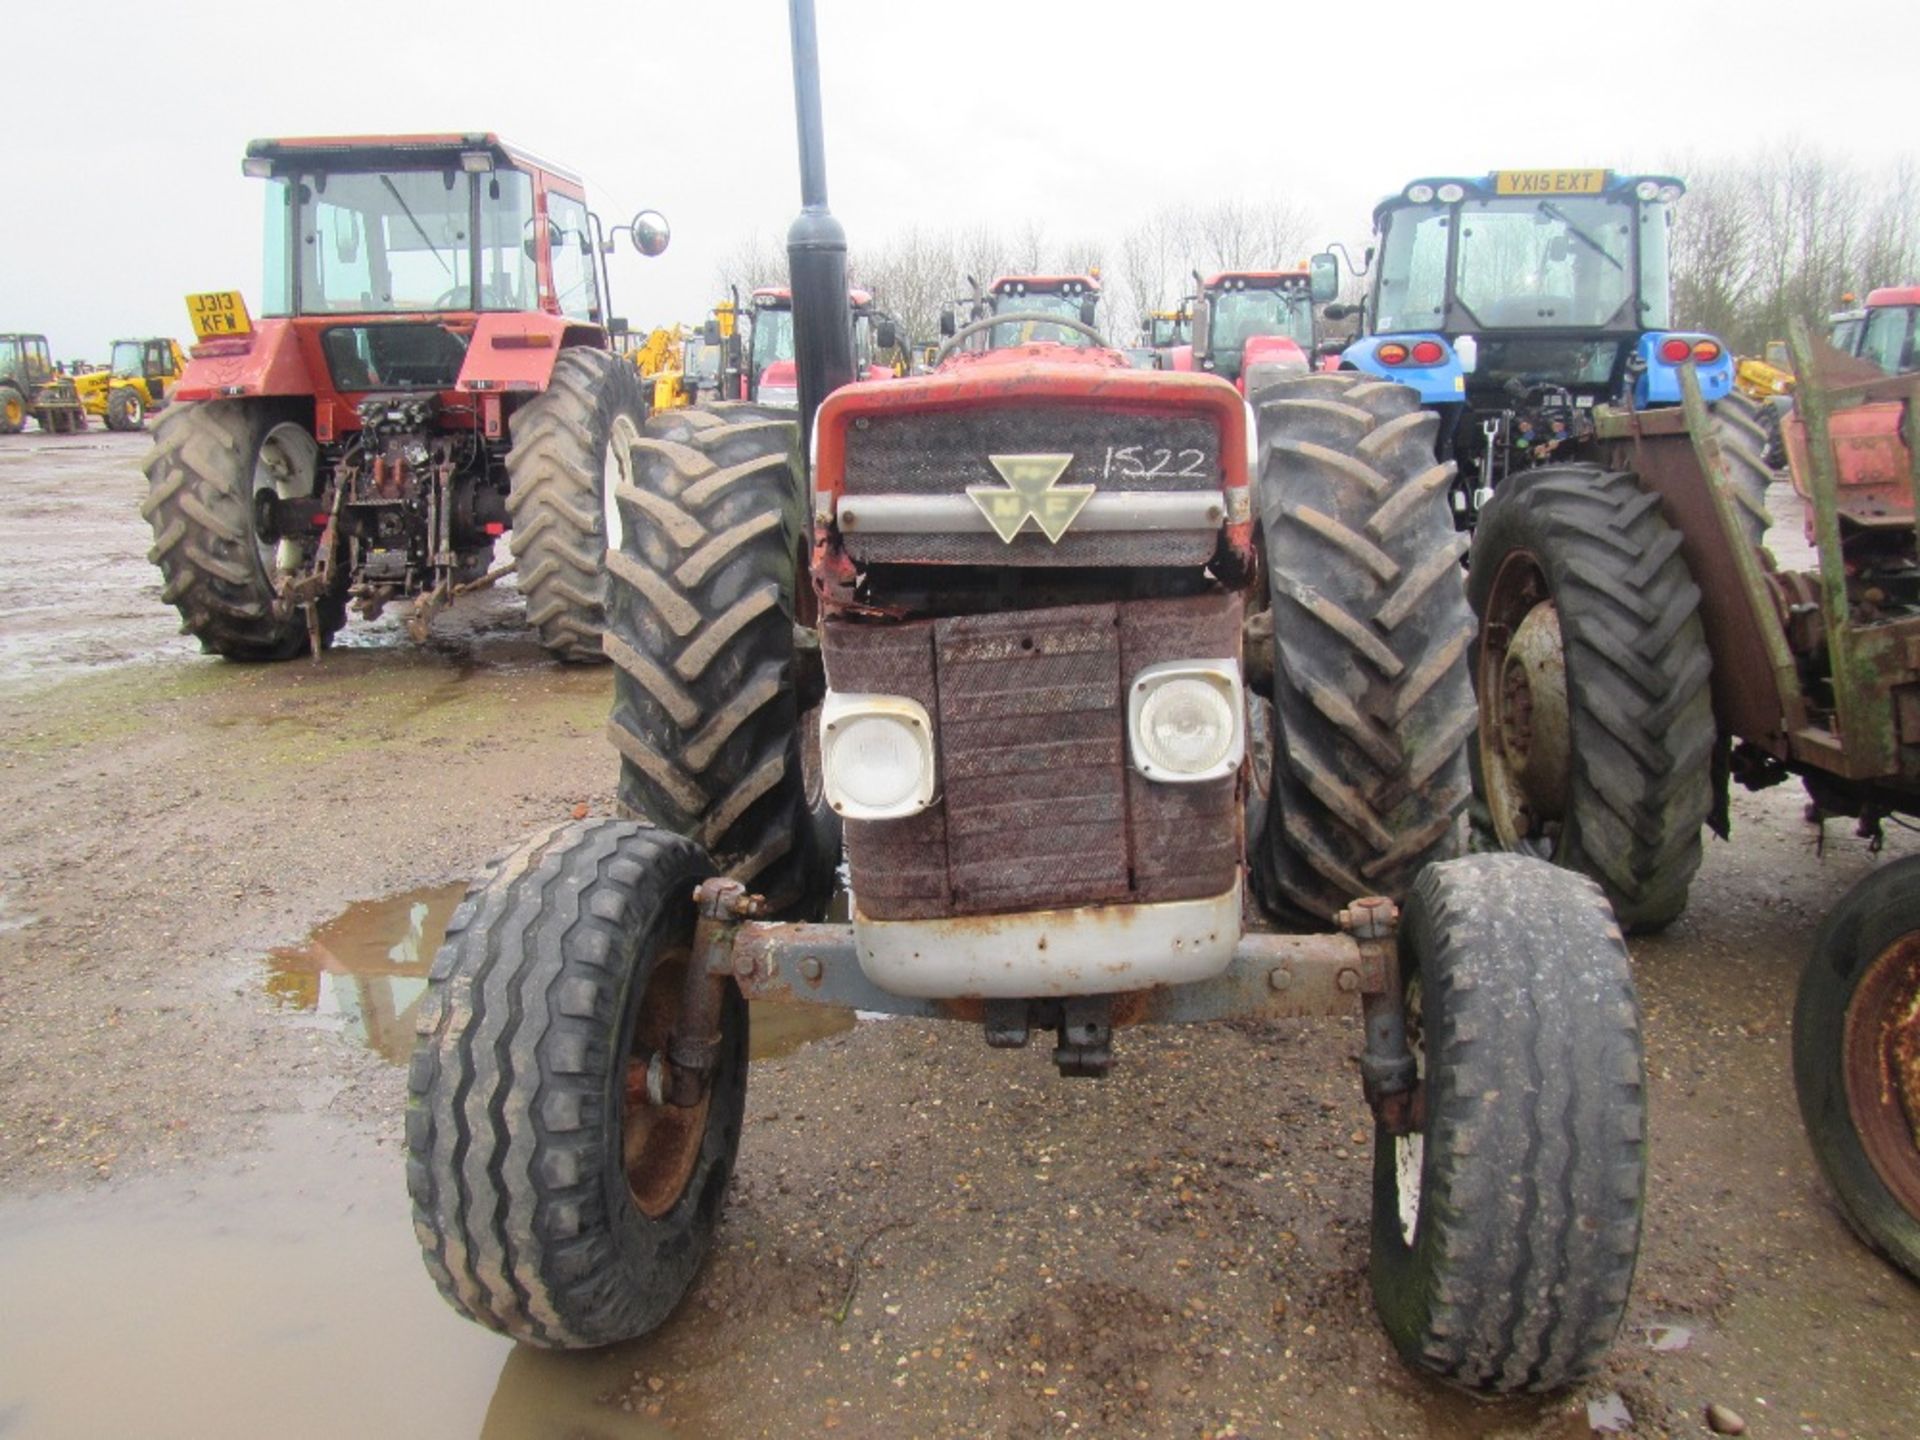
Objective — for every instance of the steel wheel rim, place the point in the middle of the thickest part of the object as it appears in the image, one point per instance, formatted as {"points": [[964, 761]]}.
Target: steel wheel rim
{"points": [[659, 1144], [1880, 1063], [286, 465], [1525, 735], [616, 469]]}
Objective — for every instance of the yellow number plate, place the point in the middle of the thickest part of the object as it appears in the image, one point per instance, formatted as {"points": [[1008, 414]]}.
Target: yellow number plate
{"points": [[219, 313], [1549, 182]]}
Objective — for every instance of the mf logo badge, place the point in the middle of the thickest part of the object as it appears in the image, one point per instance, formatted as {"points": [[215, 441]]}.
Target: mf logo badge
{"points": [[1031, 493]]}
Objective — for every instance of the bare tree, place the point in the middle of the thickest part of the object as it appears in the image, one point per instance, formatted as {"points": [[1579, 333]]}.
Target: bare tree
{"points": [[1759, 241], [757, 259]]}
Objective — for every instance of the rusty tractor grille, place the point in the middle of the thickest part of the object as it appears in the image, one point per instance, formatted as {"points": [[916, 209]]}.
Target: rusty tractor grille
{"points": [[939, 454], [1039, 806]]}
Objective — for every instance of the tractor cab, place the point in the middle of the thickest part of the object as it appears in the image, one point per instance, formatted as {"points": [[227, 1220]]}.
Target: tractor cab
{"points": [[1168, 328], [388, 252], [156, 362], [1030, 303], [1887, 329], [1518, 301], [1254, 326], [771, 376]]}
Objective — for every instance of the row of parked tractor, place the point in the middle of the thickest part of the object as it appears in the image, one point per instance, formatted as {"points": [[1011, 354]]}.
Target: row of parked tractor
{"points": [[1117, 688]]}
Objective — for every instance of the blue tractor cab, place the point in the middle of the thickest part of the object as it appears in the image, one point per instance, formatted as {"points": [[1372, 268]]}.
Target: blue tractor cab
{"points": [[1515, 303]]}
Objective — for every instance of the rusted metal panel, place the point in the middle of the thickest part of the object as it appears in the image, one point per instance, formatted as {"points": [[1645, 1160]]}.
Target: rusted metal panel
{"points": [[1034, 742], [1756, 693], [1269, 977], [1038, 804], [900, 866]]}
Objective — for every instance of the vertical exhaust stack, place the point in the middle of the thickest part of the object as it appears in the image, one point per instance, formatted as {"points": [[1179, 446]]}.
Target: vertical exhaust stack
{"points": [[816, 243]]}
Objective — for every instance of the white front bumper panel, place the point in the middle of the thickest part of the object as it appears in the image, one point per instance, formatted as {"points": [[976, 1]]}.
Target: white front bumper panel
{"points": [[1096, 950]]}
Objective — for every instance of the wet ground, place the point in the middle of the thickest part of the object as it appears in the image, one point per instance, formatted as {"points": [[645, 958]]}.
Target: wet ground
{"points": [[218, 885]]}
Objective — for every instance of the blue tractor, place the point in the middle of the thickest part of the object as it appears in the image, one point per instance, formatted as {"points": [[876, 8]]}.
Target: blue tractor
{"points": [[1520, 303], [1614, 482]]}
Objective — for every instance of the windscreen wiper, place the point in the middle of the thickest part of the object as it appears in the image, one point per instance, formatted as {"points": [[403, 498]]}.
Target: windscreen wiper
{"points": [[1548, 208], [387, 180]]}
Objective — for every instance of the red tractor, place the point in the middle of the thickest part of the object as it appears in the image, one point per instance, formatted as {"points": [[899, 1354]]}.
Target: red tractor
{"points": [[1060, 309], [1256, 327], [1130, 705], [433, 368], [770, 378]]}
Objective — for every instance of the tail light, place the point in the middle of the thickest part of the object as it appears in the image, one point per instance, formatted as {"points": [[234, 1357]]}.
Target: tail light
{"points": [[1391, 353], [1429, 352], [1675, 351], [1706, 351]]}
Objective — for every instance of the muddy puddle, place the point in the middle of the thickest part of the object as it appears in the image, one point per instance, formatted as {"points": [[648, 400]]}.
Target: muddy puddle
{"points": [[281, 1295], [365, 971]]}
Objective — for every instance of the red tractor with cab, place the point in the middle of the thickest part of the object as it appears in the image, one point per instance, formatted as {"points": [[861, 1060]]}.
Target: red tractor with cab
{"points": [[1124, 703], [1256, 327], [432, 368], [770, 377]]}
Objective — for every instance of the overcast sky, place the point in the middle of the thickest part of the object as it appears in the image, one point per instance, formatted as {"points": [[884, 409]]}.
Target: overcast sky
{"points": [[123, 191]]}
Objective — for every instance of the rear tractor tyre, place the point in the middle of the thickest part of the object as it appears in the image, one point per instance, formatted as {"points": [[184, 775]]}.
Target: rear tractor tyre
{"points": [[571, 446], [1506, 1228], [700, 627], [554, 1202], [207, 463], [125, 410], [1856, 1058], [13, 411], [1373, 709], [1596, 724], [1746, 430]]}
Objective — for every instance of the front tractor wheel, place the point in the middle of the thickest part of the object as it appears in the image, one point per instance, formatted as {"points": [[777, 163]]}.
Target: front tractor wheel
{"points": [[1506, 1227], [1596, 724], [1373, 709], [125, 409], [700, 627], [13, 411], [554, 1200], [571, 448], [209, 466], [1856, 1058]]}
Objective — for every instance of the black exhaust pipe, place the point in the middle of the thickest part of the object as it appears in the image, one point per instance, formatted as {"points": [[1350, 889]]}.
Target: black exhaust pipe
{"points": [[816, 243]]}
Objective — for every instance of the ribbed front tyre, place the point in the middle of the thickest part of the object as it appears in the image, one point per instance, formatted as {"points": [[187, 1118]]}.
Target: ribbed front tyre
{"points": [[554, 1202], [1506, 1227]]}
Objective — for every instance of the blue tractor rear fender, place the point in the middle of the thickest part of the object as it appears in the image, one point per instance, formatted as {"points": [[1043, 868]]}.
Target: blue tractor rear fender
{"points": [[1661, 355], [1438, 381]]}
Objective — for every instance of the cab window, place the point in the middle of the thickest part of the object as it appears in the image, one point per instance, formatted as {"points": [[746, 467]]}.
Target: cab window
{"points": [[575, 284]]}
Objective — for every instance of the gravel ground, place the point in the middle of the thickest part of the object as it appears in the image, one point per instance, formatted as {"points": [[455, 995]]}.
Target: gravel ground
{"points": [[925, 1237]]}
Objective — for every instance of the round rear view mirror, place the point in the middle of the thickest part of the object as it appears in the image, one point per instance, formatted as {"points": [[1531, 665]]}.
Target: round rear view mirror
{"points": [[650, 232]]}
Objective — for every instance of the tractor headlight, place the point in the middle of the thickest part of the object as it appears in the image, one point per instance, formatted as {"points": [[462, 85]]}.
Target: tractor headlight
{"points": [[876, 756], [1185, 720]]}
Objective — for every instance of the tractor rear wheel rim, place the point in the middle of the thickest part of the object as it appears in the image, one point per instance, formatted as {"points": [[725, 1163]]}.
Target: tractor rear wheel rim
{"points": [[1526, 735], [616, 470], [1880, 1061], [659, 1144]]}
